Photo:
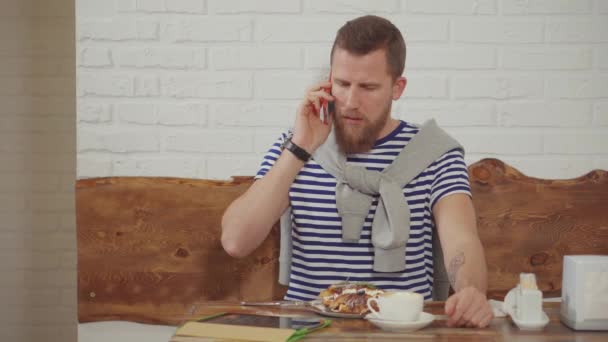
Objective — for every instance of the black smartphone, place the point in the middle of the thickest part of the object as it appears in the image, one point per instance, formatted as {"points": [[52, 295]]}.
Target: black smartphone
{"points": [[328, 108]]}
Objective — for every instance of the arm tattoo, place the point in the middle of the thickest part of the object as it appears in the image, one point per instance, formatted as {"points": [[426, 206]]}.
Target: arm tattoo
{"points": [[455, 264]]}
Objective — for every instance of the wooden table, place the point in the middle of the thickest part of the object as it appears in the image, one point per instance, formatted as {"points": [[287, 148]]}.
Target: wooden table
{"points": [[500, 329]]}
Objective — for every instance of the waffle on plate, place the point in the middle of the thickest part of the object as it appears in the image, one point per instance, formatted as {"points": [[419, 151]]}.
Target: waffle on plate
{"points": [[349, 297]]}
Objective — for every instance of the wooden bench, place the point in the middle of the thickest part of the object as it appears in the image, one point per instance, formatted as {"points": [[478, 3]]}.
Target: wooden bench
{"points": [[149, 248]]}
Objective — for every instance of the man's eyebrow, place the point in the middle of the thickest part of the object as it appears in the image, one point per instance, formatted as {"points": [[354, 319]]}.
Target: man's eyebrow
{"points": [[370, 84], [363, 84]]}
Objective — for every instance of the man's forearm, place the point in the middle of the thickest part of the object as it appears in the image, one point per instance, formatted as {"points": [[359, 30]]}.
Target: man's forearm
{"points": [[465, 262], [248, 220], [466, 265]]}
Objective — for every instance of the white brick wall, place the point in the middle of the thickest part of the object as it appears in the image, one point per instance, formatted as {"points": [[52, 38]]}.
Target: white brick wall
{"points": [[38, 168], [207, 85], [547, 6]]}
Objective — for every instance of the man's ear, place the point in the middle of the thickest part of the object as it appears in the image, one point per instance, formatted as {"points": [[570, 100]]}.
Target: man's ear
{"points": [[399, 87]]}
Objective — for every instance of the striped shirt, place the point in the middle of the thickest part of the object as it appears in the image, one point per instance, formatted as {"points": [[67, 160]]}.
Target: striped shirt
{"points": [[320, 258]]}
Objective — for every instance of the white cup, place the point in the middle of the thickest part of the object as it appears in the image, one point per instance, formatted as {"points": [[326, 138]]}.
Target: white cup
{"points": [[403, 306]]}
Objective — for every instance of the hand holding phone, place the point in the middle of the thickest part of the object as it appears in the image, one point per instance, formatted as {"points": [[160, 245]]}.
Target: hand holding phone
{"points": [[328, 108], [314, 117]]}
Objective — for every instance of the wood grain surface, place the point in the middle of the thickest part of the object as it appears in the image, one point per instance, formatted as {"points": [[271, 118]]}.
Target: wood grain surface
{"points": [[529, 224], [149, 247], [359, 330]]}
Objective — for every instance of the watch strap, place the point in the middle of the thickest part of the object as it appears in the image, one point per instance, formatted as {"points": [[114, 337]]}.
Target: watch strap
{"points": [[299, 152]]}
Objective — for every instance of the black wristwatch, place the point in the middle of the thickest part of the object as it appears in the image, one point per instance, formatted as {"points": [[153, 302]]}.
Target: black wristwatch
{"points": [[297, 151]]}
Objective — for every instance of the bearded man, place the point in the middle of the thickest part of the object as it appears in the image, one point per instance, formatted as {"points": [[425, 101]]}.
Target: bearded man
{"points": [[366, 194]]}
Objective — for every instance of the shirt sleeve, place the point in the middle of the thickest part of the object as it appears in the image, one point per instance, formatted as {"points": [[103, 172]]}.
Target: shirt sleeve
{"points": [[451, 176], [271, 156]]}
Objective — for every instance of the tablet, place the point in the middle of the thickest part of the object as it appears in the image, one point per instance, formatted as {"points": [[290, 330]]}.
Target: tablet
{"points": [[264, 321]]}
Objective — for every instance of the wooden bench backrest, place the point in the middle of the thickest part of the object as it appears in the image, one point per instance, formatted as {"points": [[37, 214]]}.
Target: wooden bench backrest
{"points": [[149, 247], [529, 224]]}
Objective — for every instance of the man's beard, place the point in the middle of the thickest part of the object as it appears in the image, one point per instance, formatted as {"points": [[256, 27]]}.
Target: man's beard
{"points": [[359, 138]]}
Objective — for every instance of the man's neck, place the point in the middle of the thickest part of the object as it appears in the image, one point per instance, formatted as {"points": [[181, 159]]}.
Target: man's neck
{"points": [[391, 125]]}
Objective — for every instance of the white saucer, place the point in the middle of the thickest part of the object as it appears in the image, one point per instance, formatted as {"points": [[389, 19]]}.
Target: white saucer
{"points": [[397, 326], [531, 325]]}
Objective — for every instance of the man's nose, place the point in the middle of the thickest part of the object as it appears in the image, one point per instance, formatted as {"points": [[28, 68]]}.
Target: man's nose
{"points": [[352, 99]]}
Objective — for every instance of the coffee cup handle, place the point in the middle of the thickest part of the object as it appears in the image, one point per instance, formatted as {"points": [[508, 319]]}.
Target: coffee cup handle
{"points": [[370, 307]]}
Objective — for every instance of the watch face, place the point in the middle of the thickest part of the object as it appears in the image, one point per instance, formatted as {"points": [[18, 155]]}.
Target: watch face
{"points": [[287, 138]]}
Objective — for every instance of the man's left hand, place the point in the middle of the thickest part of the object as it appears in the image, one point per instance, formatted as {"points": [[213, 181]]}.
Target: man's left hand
{"points": [[468, 307]]}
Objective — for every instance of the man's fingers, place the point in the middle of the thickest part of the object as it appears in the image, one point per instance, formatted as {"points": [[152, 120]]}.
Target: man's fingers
{"points": [[456, 320], [314, 98], [455, 310], [482, 320], [324, 94], [320, 85], [314, 101], [486, 320], [324, 87], [324, 84], [461, 323], [478, 317], [468, 308], [311, 107], [475, 306], [488, 317], [483, 315], [461, 307], [450, 305]]}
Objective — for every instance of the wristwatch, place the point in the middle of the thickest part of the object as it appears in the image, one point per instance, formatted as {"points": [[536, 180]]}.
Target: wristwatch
{"points": [[297, 151]]}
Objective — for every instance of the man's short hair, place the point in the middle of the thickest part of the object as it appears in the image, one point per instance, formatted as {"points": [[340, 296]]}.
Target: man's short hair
{"points": [[365, 34]]}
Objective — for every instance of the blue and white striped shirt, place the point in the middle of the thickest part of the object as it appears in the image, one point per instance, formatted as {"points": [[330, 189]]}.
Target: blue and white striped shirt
{"points": [[320, 258]]}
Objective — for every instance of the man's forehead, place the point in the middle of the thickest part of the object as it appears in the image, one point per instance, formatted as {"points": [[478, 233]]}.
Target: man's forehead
{"points": [[370, 67], [344, 53]]}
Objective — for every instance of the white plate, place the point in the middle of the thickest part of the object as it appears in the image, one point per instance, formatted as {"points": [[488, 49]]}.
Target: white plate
{"points": [[315, 306], [396, 326]]}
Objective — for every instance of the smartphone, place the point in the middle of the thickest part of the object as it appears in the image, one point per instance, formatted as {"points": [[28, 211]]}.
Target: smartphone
{"points": [[265, 321], [328, 108]]}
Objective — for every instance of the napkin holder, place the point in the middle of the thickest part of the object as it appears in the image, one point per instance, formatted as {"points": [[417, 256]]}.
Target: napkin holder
{"points": [[584, 303]]}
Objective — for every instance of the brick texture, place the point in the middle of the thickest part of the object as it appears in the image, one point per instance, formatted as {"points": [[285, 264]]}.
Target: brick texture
{"points": [[204, 82]]}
